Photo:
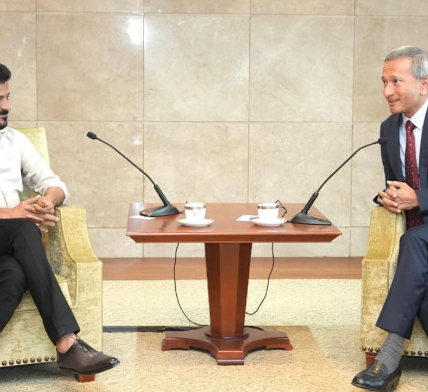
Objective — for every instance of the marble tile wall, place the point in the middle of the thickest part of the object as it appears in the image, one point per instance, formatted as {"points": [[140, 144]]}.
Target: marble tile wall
{"points": [[219, 100]]}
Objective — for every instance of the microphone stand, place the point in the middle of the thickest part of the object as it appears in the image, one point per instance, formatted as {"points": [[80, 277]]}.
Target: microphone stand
{"points": [[303, 216], [167, 208]]}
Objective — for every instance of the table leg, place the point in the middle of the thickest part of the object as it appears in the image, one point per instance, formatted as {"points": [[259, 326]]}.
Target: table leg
{"points": [[228, 269]]}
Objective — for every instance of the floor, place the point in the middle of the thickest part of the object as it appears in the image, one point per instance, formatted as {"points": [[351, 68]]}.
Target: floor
{"points": [[194, 268]]}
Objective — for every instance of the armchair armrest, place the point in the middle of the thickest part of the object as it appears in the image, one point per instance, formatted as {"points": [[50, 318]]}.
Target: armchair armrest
{"points": [[70, 253], [379, 265]]}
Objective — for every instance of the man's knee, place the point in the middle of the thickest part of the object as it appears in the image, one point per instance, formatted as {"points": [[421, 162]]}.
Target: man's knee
{"points": [[27, 225], [415, 235], [26, 228]]}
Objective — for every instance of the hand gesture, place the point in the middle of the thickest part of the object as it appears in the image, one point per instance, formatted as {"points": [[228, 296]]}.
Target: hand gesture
{"points": [[42, 211], [20, 211], [398, 197]]}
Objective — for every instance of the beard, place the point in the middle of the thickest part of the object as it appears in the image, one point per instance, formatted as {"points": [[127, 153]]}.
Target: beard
{"points": [[3, 120]]}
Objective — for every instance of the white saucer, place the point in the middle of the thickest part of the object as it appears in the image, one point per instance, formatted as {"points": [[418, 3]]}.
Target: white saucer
{"points": [[268, 222], [195, 223]]}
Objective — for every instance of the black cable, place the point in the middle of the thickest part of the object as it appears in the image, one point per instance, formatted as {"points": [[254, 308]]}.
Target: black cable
{"points": [[175, 288], [249, 314], [127, 328], [267, 286], [144, 328]]}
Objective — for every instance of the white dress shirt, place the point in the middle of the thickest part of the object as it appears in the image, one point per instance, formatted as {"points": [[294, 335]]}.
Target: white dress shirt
{"points": [[20, 163], [418, 120]]}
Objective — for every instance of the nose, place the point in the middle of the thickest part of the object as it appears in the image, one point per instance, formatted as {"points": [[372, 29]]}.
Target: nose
{"points": [[388, 90], [5, 104]]}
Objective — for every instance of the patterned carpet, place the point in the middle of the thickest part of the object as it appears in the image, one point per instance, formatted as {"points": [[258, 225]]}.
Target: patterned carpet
{"points": [[319, 316]]}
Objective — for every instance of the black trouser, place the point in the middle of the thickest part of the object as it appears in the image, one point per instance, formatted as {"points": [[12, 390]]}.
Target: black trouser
{"points": [[24, 265], [408, 296]]}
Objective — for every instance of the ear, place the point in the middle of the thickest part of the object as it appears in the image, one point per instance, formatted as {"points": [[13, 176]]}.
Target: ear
{"points": [[424, 86]]}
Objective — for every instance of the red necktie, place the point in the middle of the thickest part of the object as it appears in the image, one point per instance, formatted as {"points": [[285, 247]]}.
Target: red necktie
{"points": [[413, 217]]}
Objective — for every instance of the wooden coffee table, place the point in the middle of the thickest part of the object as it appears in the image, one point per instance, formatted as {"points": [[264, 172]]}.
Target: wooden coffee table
{"points": [[228, 256]]}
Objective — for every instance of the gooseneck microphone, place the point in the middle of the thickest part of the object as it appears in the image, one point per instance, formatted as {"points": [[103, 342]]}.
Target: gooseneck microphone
{"points": [[303, 216], [167, 208]]}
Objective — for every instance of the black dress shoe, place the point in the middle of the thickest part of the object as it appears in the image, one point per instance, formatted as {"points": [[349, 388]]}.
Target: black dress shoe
{"points": [[376, 377], [82, 359]]}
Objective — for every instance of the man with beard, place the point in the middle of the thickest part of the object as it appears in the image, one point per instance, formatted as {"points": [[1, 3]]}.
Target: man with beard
{"points": [[23, 261]]}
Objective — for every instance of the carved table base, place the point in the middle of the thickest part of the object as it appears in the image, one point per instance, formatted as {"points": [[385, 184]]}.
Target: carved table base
{"points": [[226, 351]]}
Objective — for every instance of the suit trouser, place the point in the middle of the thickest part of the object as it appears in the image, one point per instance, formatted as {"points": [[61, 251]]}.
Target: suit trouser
{"points": [[24, 265], [408, 295]]}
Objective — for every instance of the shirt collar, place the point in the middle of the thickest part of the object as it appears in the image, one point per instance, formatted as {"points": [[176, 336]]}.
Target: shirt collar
{"points": [[419, 117]]}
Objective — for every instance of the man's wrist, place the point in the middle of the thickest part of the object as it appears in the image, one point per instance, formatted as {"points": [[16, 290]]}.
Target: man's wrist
{"points": [[55, 195], [7, 213]]}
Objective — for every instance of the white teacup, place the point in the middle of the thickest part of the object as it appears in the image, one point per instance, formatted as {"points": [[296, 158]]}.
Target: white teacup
{"points": [[269, 211], [195, 211]]}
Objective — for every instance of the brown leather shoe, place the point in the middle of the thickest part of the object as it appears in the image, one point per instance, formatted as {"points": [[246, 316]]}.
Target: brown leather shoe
{"points": [[82, 359]]}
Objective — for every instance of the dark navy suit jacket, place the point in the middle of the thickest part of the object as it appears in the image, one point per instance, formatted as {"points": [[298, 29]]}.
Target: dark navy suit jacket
{"points": [[391, 158]]}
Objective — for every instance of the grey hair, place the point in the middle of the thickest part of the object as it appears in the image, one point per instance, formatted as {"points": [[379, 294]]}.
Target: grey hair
{"points": [[418, 57]]}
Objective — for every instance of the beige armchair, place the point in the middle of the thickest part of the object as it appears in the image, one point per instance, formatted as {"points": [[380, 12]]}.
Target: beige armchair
{"points": [[79, 273], [379, 265]]}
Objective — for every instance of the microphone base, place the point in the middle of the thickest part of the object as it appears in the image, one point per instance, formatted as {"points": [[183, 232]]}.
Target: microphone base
{"points": [[166, 210], [306, 219]]}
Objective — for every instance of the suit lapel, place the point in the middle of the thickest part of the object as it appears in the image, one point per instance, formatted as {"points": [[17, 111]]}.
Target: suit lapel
{"points": [[393, 147], [423, 155]]}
